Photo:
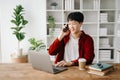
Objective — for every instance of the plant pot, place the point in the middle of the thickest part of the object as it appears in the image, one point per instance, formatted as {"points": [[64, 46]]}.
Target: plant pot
{"points": [[22, 59], [53, 7], [19, 52]]}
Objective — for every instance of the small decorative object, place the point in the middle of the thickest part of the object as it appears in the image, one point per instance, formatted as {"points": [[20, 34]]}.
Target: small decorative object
{"points": [[51, 24], [36, 45], [53, 5], [19, 22]]}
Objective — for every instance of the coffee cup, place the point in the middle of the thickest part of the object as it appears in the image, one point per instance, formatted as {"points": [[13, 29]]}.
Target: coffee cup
{"points": [[82, 63]]}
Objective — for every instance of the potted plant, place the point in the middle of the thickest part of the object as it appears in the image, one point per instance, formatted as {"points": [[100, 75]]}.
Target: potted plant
{"points": [[51, 24], [36, 45], [19, 22], [53, 5]]}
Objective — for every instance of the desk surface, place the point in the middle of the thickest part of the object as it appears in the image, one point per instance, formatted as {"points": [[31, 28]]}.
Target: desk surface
{"points": [[26, 72]]}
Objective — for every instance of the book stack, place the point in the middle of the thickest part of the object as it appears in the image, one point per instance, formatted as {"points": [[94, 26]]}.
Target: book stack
{"points": [[104, 42], [100, 69], [118, 57], [103, 31], [95, 4], [105, 54], [69, 4], [103, 17]]}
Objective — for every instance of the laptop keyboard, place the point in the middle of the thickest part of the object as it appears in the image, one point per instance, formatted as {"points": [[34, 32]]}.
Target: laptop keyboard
{"points": [[56, 69]]}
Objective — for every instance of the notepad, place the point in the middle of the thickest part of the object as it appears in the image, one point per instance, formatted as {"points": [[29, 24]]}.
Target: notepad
{"points": [[104, 66]]}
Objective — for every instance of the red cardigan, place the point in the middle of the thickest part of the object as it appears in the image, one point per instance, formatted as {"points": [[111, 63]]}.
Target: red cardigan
{"points": [[86, 48]]}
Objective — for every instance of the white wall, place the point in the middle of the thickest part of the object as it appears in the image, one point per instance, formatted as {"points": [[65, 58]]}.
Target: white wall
{"points": [[0, 43], [36, 15]]}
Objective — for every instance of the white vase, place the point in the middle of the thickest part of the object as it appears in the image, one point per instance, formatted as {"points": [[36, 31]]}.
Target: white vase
{"points": [[19, 52], [53, 7]]}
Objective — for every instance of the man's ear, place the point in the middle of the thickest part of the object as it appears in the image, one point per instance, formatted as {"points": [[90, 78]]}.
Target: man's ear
{"points": [[80, 23]]}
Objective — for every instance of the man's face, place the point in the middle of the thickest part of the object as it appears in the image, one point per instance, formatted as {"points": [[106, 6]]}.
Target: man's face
{"points": [[74, 26]]}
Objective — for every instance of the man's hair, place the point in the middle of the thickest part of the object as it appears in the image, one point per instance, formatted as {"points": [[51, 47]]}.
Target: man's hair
{"points": [[77, 16]]}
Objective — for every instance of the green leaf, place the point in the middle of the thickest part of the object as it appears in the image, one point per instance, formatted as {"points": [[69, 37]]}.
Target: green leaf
{"points": [[15, 32], [20, 36], [24, 22], [15, 28], [18, 20], [51, 21], [32, 41], [13, 21], [32, 48], [36, 44]]}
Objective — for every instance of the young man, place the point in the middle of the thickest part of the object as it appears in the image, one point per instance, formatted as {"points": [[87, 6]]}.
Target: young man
{"points": [[73, 44]]}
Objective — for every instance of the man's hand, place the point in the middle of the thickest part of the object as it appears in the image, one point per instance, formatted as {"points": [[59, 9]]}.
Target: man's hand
{"points": [[62, 33], [64, 63]]}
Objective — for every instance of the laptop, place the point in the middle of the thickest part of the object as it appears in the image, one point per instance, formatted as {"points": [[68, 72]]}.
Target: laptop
{"points": [[41, 61]]}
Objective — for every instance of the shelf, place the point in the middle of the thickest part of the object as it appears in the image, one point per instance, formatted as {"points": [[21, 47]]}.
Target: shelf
{"points": [[90, 16], [90, 10], [54, 36], [54, 10], [111, 60], [117, 36], [108, 23], [98, 14], [106, 4], [57, 23], [90, 23], [117, 22], [117, 9], [70, 10], [107, 9], [94, 35], [106, 48], [96, 48], [108, 36]]}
